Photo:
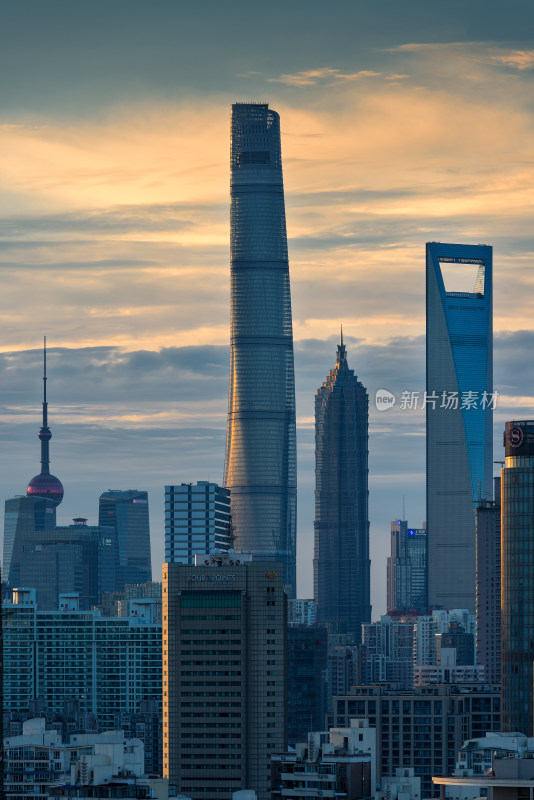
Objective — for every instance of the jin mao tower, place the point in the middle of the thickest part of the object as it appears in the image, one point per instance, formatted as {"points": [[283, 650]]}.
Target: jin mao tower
{"points": [[341, 559], [260, 464]]}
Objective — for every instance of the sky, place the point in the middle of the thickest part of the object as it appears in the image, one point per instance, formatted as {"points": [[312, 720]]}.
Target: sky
{"points": [[401, 124]]}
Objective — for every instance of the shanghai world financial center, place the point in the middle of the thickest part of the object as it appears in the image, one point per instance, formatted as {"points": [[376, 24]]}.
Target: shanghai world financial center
{"points": [[459, 414]]}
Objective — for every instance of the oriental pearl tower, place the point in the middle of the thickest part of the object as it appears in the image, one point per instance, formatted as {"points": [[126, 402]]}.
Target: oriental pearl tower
{"points": [[45, 484]]}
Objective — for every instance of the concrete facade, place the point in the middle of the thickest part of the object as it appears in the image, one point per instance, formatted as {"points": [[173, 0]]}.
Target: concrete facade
{"points": [[224, 675]]}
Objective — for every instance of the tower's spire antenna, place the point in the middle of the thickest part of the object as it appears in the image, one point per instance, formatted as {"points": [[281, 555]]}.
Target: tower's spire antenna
{"points": [[45, 485], [341, 350], [45, 404], [44, 433]]}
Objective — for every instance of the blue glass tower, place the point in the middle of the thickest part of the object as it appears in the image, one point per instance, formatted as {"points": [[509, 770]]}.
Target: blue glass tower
{"points": [[459, 377], [260, 464]]}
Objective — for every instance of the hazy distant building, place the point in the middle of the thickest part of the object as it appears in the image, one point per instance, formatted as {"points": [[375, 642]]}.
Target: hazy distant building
{"points": [[407, 569], [459, 381], [301, 612], [224, 675], [197, 521], [517, 578], [389, 652], [72, 558], [341, 557], [126, 511], [23, 516], [307, 662], [428, 626], [260, 465], [346, 664], [488, 607]]}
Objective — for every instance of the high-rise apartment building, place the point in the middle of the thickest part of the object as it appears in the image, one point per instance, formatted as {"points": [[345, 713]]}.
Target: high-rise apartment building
{"points": [[341, 558], [126, 511], [260, 465], [421, 729], [517, 578], [459, 402], [488, 609], [407, 569], [110, 665], [197, 521], [224, 675]]}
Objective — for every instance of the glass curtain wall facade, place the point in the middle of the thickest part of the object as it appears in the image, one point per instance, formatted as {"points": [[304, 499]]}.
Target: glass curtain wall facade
{"points": [[517, 578], [24, 516], [488, 523], [407, 569], [341, 559], [459, 380], [126, 511], [197, 521], [260, 463]]}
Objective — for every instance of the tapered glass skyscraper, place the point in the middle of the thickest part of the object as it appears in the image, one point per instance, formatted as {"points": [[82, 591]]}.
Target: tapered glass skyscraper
{"points": [[260, 464], [341, 559], [459, 414]]}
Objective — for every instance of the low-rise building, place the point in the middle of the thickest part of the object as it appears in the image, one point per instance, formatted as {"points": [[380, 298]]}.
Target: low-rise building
{"points": [[499, 764], [340, 763], [404, 785], [39, 765]]}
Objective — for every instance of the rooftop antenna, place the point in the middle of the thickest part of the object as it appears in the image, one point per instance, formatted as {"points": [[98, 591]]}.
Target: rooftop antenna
{"points": [[341, 352], [44, 433], [403, 509]]}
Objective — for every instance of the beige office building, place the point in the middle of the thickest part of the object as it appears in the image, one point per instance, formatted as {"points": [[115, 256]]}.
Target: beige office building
{"points": [[224, 675]]}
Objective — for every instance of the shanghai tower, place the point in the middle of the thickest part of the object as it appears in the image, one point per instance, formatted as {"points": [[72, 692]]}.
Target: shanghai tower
{"points": [[260, 463]]}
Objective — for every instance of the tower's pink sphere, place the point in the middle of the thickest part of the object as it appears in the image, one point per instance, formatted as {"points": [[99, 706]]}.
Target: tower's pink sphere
{"points": [[46, 486]]}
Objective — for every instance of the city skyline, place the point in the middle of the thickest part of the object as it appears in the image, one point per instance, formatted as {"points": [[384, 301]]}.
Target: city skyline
{"points": [[115, 234]]}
